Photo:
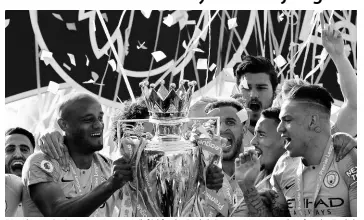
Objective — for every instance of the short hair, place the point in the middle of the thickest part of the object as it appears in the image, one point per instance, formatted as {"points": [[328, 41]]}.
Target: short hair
{"points": [[131, 110], [312, 93], [256, 64], [228, 102], [69, 100], [289, 84], [272, 113], [22, 131]]}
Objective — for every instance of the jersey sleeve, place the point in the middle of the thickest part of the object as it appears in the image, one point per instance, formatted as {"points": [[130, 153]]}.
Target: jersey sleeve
{"points": [[40, 168], [348, 171]]}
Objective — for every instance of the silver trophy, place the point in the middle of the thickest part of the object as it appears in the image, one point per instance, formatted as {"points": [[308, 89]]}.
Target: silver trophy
{"points": [[167, 168]]}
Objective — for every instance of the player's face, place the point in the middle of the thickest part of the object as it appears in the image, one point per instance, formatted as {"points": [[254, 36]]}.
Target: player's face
{"points": [[259, 94], [294, 128], [232, 129], [268, 142], [86, 125], [17, 149]]}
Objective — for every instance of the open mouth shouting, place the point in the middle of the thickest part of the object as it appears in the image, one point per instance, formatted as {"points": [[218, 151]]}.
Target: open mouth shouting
{"points": [[229, 142], [96, 135], [16, 166], [259, 151], [287, 141], [255, 105]]}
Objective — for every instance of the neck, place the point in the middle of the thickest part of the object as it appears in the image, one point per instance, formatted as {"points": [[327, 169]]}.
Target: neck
{"points": [[316, 150], [228, 166], [82, 160]]}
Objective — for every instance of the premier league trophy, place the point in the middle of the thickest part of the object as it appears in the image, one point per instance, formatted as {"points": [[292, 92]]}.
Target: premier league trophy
{"points": [[167, 167]]}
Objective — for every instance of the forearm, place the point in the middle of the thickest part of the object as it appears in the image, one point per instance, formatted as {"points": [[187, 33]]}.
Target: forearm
{"points": [[255, 204], [85, 205], [347, 79]]}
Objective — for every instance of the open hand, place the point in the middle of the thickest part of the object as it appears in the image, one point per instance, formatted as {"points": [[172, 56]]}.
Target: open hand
{"points": [[247, 167]]}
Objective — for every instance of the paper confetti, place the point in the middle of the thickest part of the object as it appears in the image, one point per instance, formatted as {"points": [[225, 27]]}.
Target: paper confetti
{"points": [[320, 84], [191, 22], [72, 58], [141, 46], [87, 61], [146, 13], [168, 20], [281, 17], [53, 87], [57, 16], [202, 64], [184, 45], [232, 23], [242, 115], [212, 66], [244, 83], [67, 67], [104, 15], [89, 81], [7, 21], [95, 76], [198, 50], [45, 54], [158, 55], [280, 61], [71, 26], [112, 64]]}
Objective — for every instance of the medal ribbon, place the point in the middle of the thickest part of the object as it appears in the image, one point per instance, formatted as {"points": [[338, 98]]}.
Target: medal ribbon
{"points": [[324, 166]]}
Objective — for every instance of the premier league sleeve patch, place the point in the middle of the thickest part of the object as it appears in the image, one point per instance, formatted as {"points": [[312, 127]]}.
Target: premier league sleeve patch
{"points": [[47, 166], [331, 179]]}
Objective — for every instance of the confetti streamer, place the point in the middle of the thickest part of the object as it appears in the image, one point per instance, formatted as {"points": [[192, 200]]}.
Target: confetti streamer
{"points": [[281, 17], [72, 58], [158, 55], [89, 81], [141, 46], [202, 64], [71, 26], [53, 87], [232, 23], [57, 16], [104, 15], [7, 21], [87, 61], [198, 50]]}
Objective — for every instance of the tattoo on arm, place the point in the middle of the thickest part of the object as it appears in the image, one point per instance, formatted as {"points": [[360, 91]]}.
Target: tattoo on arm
{"points": [[278, 209], [255, 204]]}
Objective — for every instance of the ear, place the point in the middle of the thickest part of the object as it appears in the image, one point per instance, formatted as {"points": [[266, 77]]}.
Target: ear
{"points": [[314, 122], [244, 128], [62, 124]]}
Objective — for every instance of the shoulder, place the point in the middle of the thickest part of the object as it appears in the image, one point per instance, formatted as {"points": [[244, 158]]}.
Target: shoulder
{"points": [[13, 183], [348, 167], [285, 168], [103, 159]]}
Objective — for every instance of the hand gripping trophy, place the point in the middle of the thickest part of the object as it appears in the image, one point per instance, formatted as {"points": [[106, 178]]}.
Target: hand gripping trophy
{"points": [[167, 168]]}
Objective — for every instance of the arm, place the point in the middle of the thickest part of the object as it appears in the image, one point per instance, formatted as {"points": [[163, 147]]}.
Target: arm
{"points": [[348, 171], [334, 44], [52, 202]]}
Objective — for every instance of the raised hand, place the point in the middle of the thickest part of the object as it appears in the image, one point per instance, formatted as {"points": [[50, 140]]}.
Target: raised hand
{"points": [[52, 145], [247, 167], [332, 41], [214, 177], [343, 144], [121, 173]]}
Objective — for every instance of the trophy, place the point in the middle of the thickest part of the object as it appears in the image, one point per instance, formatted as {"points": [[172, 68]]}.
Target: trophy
{"points": [[167, 167]]}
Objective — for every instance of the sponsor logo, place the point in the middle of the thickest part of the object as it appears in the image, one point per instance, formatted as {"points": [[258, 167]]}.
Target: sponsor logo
{"points": [[289, 186], [320, 203], [351, 173], [47, 166], [331, 179]]}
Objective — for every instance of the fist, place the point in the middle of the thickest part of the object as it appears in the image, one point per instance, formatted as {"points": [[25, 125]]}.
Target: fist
{"points": [[214, 177], [247, 167], [121, 173], [343, 144]]}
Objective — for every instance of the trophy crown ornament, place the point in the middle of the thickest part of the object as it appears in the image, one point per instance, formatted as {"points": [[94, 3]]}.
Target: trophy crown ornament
{"points": [[164, 104]]}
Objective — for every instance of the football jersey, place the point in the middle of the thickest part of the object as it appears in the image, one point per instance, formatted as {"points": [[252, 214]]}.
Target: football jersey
{"points": [[13, 194], [333, 198], [40, 168]]}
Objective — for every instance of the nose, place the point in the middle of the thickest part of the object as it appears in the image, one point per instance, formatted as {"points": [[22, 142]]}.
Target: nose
{"points": [[254, 93], [17, 152], [280, 128], [98, 124], [223, 127], [254, 141]]}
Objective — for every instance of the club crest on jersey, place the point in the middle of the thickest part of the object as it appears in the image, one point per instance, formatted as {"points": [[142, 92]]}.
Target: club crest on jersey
{"points": [[47, 166], [331, 179]]}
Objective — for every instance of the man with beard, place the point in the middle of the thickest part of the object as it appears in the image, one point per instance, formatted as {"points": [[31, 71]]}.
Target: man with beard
{"points": [[257, 81], [19, 145], [91, 186], [306, 181], [233, 128]]}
